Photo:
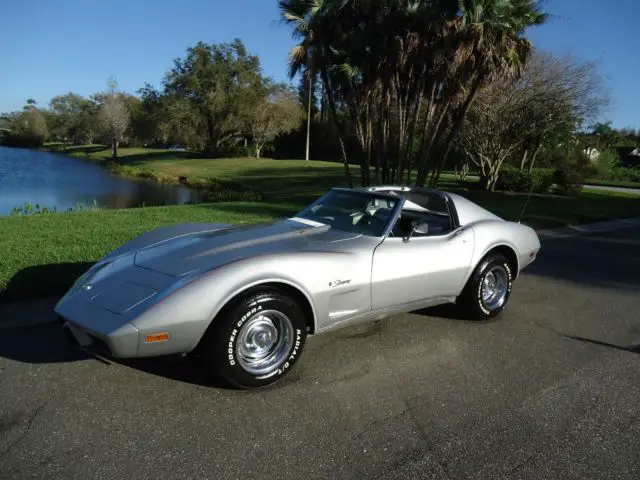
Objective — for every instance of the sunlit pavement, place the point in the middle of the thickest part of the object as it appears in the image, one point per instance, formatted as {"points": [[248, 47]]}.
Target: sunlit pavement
{"points": [[550, 390]]}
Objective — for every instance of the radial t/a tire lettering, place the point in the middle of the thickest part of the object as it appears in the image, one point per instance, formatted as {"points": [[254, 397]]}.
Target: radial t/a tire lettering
{"points": [[257, 340], [488, 290]]}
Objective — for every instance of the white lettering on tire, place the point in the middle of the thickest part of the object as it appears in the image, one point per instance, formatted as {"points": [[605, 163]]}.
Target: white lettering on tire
{"points": [[479, 292], [289, 361], [234, 333]]}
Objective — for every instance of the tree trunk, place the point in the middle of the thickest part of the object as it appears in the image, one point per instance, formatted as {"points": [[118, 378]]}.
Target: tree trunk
{"points": [[258, 150], [535, 154], [309, 117], [332, 106], [425, 144], [213, 144], [435, 176], [369, 134], [523, 162], [114, 149]]}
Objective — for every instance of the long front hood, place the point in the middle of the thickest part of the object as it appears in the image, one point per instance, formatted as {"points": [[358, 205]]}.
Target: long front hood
{"points": [[206, 250]]}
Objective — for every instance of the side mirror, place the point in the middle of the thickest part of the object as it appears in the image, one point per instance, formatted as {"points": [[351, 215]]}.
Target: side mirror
{"points": [[419, 227]]}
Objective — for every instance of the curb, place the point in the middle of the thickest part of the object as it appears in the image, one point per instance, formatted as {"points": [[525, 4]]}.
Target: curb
{"points": [[580, 230]]}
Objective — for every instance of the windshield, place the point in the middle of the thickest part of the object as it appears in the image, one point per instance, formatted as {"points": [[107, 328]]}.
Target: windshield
{"points": [[358, 212]]}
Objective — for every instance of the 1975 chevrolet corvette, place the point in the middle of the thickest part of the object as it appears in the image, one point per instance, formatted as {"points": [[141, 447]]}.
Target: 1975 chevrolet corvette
{"points": [[246, 297]]}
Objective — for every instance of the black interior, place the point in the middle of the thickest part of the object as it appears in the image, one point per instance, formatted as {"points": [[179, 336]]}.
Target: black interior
{"points": [[438, 224]]}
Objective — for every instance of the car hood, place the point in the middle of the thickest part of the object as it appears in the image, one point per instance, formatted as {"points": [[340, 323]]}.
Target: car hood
{"points": [[205, 250]]}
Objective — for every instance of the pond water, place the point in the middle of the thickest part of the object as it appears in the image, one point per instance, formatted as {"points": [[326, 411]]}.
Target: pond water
{"points": [[56, 180]]}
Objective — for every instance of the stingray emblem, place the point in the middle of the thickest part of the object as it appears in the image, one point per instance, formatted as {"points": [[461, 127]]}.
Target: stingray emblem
{"points": [[337, 283]]}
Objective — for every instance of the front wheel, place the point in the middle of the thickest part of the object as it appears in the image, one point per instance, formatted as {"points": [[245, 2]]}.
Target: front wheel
{"points": [[258, 340], [488, 290]]}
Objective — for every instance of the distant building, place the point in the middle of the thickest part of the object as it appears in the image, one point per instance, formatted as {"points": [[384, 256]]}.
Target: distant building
{"points": [[592, 153], [629, 156]]}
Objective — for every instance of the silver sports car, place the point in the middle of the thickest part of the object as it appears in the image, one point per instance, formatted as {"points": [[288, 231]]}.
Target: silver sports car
{"points": [[244, 298]]}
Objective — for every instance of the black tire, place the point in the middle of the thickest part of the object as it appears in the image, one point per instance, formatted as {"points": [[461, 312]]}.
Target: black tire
{"points": [[222, 349], [471, 299]]}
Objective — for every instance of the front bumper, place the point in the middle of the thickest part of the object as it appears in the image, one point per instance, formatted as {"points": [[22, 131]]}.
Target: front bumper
{"points": [[120, 310], [120, 343]]}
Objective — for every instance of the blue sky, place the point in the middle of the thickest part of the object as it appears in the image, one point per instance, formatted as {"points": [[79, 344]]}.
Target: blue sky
{"points": [[52, 47]]}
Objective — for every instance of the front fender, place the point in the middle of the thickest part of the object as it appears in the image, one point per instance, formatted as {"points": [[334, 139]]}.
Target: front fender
{"points": [[189, 310]]}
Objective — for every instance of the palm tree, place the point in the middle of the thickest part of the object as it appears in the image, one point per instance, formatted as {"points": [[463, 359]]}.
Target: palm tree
{"points": [[489, 42], [313, 24], [407, 70]]}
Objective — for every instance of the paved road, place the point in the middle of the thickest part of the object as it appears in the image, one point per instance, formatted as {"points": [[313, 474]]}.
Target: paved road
{"points": [[551, 390], [632, 191]]}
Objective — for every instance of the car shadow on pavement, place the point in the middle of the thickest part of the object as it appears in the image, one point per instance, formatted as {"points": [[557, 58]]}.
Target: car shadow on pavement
{"points": [[181, 368], [448, 311], [43, 343], [50, 343]]}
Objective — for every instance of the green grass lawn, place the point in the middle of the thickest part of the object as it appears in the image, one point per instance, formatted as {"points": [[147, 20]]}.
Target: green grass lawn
{"points": [[41, 255]]}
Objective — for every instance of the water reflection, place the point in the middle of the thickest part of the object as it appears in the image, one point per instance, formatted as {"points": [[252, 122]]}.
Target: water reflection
{"points": [[56, 180]]}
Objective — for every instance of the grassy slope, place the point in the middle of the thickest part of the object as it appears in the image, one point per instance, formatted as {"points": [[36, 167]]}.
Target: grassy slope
{"points": [[42, 255], [295, 181]]}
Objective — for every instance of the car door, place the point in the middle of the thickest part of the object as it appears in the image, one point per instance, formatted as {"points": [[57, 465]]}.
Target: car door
{"points": [[421, 268]]}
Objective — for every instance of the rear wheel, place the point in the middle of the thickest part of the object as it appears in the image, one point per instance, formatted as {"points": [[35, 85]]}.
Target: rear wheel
{"points": [[488, 290], [257, 340]]}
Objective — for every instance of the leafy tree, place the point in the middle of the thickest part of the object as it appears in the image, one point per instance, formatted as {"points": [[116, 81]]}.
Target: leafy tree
{"points": [[113, 116], [31, 123], [149, 123], [604, 134], [544, 106], [493, 130], [89, 121], [278, 113], [66, 116], [217, 84]]}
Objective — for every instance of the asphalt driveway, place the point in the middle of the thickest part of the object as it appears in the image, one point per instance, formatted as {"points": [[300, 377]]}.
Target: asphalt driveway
{"points": [[550, 390]]}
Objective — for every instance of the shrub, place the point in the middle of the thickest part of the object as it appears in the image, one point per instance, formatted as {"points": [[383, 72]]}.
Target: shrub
{"points": [[568, 181], [625, 174], [608, 161], [25, 140], [539, 180]]}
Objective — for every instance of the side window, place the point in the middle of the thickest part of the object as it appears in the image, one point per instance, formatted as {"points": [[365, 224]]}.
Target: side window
{"points": [[437, 218], [430, 201]]}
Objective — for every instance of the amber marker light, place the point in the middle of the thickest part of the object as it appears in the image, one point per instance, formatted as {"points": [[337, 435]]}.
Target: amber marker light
{"points": [[157, 337]]}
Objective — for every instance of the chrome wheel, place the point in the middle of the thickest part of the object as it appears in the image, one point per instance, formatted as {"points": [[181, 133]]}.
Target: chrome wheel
{"points": [[495, 287], [264, 342]]}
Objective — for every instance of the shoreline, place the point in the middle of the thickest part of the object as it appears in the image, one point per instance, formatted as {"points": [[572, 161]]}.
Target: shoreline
{"points": [[215, 190]]}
